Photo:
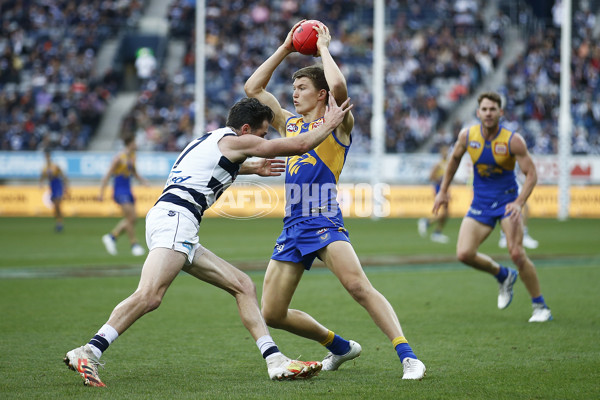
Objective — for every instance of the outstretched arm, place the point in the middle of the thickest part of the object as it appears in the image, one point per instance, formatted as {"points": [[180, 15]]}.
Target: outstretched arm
{"points": [[43, 176], [107, 176], [239, 148], [460, 148], [333, 75], [256, 85], [64, 179], [263, 167]]}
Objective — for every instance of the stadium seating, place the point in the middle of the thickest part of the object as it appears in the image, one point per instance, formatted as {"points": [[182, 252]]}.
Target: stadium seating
{"points": [[48, 50], [533, 85], [437, 53]]}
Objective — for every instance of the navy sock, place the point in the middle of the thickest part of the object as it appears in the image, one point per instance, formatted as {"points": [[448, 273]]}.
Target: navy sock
{"points": [[99, 342], [501, 276], [404, 350], [539, 300], [339, 345], [270, 350]]}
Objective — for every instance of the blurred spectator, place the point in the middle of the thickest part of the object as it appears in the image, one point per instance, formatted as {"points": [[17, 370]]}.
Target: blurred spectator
{"points": [[48, 52], [145, 63], [437, 51], [533, 85]]}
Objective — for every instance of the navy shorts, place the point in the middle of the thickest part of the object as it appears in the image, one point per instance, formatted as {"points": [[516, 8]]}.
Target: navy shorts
{"points": [[489, 210], [56, 194], [124, 198], [300, 242]]}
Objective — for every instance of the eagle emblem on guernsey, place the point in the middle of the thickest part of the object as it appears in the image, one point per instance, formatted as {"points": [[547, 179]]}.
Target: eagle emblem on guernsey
{"points": [[486, 170], [295, 162]]}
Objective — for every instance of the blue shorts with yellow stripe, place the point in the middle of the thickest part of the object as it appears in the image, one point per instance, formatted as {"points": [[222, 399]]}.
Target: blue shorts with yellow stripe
{"points": [[300, 242]]}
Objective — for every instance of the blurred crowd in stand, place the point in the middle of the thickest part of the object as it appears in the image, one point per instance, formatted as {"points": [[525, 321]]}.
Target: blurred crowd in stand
{"points": [[49, 95], [437, 53], [532, 86]]}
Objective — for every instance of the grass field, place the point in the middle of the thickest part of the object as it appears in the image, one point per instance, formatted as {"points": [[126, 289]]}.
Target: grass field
{"points": [[56, 290]]}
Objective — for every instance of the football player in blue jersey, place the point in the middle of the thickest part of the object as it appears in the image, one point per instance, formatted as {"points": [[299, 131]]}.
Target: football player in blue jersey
{"points": [[122, 170], [58, 183], [494, 151], [203, 170], [313, 223]]}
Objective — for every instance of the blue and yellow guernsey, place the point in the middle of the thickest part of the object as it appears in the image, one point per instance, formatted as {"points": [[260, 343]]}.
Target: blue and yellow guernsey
{"points": [[311, 178], [123, 172], [493, 164], [54, 175]]}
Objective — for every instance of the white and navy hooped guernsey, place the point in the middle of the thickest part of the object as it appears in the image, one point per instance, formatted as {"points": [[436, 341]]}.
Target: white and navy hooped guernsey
{"points": [[200, 175]]}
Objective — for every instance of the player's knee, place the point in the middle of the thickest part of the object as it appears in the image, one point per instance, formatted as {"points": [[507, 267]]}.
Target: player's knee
{"points": [[358, 289], [273, 317], [246, 286], [465, 256], [149, 301], [517, 255]]}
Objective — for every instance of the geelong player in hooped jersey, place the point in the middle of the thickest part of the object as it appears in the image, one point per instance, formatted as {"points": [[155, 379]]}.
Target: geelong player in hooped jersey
{"points": [[313, 225], [205, 168], [495, 151]]}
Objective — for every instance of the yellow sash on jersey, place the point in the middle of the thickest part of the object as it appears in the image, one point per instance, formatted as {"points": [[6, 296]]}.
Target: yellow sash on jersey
{"points": [[329, 151], [499, 147]]}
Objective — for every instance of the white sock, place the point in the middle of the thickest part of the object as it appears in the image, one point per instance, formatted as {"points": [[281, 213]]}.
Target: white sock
{"points": [[265, 343], [108, 333]]}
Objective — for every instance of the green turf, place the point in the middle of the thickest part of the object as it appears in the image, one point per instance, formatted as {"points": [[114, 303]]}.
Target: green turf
{"points": [[195, 347], [253, 240]]}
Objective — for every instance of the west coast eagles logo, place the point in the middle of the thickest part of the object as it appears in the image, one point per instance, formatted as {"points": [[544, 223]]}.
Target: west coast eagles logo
{"points": [[486, 170], [295, 162]]}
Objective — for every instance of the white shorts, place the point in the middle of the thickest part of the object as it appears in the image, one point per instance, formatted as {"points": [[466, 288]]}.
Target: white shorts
{"points": [[172, 229]]}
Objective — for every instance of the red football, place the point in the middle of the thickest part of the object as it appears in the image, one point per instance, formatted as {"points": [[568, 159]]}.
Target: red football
{"points": [[305, 37]]}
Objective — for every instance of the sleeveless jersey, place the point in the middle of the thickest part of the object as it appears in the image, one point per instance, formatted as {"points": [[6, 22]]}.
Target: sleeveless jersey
{"points": [[311, 178], [493, 164], [439, 172], [54, 179], [122, 173], [200, 175]]}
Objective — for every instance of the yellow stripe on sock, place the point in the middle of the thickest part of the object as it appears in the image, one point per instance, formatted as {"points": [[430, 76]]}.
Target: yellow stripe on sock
{"points": [[329, 339], [398, 340]]}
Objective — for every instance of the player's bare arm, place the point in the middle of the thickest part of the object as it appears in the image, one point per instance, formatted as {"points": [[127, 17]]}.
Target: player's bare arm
{"points": [[140, 178], [65, 180], [256, 85], [335, 78], [460, 149], [263, 167], [247, 145], [43, 177], [434, 171], [107, 176], [518, 147]]}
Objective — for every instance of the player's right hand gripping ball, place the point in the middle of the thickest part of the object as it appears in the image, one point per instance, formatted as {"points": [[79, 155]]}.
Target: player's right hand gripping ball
{"points": [[305, 37]]}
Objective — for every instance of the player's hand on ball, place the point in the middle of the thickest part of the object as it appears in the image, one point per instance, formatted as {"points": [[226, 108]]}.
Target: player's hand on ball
{"points": [[288, 43], [324, 38]]}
